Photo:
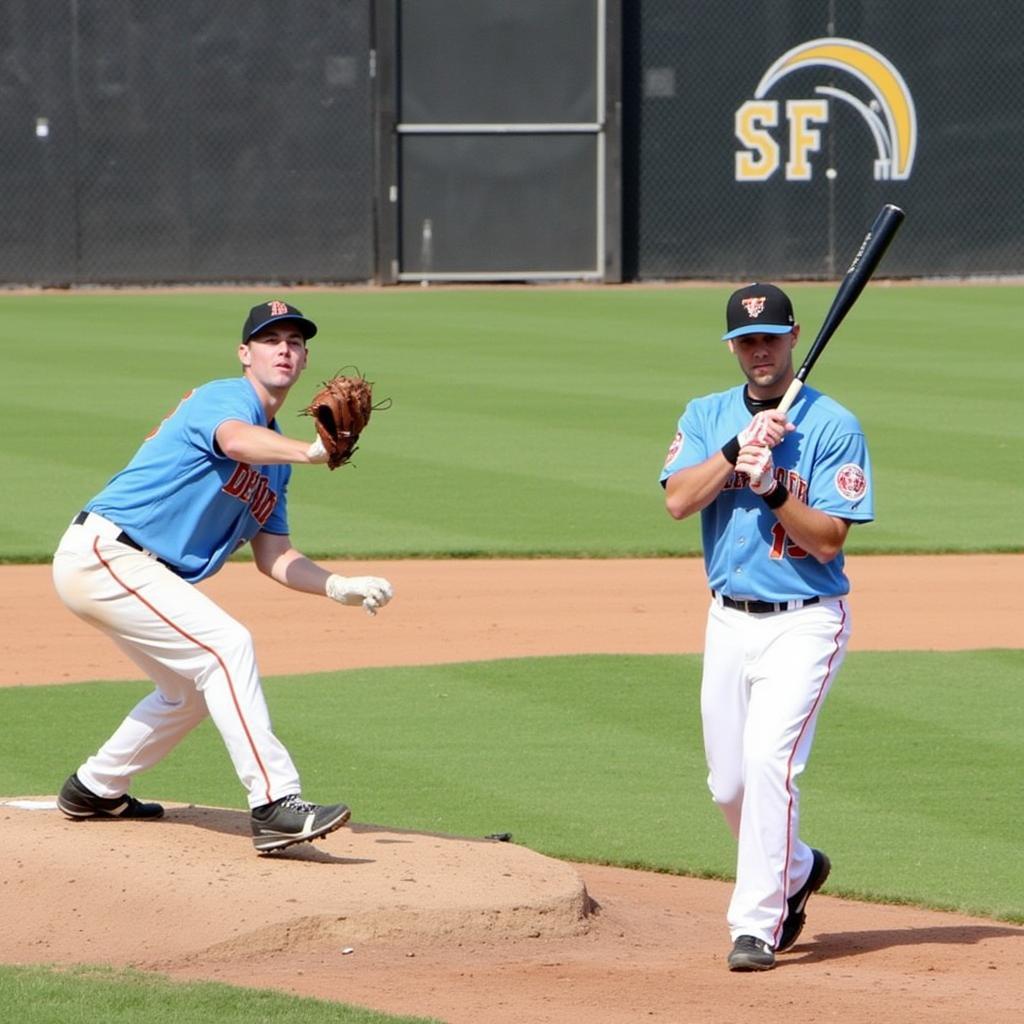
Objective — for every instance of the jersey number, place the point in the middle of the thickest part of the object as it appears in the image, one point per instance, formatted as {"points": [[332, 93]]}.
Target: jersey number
{"points": [[782, 545]]}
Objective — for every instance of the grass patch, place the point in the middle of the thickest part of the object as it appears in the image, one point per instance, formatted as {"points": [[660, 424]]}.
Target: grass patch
{"points": [[525, 422], [82, 995]]}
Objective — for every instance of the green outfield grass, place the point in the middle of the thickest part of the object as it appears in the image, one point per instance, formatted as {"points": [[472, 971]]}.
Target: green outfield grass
{"points": [[36, 995], [911, 787], [525, 421]]}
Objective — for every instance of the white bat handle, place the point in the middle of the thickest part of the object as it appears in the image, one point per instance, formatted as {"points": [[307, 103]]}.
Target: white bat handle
{"points": [[790, 396]]}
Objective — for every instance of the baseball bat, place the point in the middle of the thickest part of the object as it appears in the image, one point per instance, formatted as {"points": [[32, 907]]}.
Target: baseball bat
{"points": [[870, 253]]}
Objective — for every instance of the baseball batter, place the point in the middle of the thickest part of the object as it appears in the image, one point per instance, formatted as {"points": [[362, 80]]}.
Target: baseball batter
{"points": [[776, 499], [210, 478]]}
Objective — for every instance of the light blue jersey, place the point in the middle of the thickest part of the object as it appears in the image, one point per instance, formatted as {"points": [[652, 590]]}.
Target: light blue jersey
{"points": [[183, 500], [824, 462]]}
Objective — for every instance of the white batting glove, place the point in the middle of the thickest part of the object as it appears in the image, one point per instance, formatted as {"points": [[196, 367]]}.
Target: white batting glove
{"points": [[372, 592], [768, 427], [756, 462], [316, 452]]}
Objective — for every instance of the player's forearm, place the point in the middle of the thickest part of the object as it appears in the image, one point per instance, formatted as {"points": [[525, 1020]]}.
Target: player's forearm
{"points": [[297, 572], [278, 559], [246, 442], [822, 536], [693, 489]]}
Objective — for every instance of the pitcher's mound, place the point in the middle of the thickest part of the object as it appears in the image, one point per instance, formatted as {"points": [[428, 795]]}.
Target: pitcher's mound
{"points": [[192, 886]]}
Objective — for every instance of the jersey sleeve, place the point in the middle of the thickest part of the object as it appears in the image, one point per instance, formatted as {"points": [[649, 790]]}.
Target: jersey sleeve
{"points": [[689, 447], [841, 483], [217, 403]]}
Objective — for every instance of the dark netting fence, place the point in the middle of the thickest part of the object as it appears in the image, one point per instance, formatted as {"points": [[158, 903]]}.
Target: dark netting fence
{"points": [[185, 141], [237, 140], [768, 135]]}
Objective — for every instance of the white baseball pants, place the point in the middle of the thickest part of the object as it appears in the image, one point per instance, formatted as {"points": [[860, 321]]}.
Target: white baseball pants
{"points": [[200, 659], [764, 682]]}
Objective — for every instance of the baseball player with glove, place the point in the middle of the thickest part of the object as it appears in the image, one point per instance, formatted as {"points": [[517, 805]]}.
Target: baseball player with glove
{"points": [[211, 477], [777, 498]]}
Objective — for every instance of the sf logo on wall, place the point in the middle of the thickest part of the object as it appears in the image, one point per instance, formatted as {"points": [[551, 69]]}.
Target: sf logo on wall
{"points": [[875, 90]]}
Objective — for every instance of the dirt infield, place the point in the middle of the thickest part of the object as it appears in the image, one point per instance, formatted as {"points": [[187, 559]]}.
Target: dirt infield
{"points": [[468, 930], [478, 610]]}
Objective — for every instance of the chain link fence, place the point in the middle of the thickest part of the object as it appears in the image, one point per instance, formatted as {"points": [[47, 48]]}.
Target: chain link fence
{"points": [[146, 141], [769, 135]]}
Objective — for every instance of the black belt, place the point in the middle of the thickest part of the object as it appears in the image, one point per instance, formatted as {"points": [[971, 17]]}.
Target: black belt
{"points": [[764, 607], [123, 538]]}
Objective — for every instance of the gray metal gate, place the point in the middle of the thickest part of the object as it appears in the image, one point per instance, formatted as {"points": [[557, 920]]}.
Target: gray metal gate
{"points": [[500, 137]]}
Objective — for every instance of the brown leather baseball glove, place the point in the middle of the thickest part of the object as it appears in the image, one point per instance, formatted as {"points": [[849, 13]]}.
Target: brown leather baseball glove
{"points": [[342, 409]]}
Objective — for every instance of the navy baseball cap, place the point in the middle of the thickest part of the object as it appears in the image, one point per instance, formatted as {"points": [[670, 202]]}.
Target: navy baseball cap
{"points": [[270, 312], [758, 309]]}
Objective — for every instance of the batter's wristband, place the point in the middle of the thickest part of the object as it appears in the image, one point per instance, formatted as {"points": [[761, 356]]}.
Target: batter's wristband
{"points": [[776, 497], [731, 450]]}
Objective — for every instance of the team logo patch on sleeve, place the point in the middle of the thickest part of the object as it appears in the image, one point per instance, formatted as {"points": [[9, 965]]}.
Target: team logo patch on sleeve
{"points": [[675, 447], [851, 482]]}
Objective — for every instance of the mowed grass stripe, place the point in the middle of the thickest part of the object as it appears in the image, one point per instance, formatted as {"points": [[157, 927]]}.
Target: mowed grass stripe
{"points": [[524, 421]]}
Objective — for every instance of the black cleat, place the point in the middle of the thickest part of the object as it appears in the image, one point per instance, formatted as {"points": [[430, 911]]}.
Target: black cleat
{"points": [[796, 913], [78, 802], [292, 820], [750, 954]]}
